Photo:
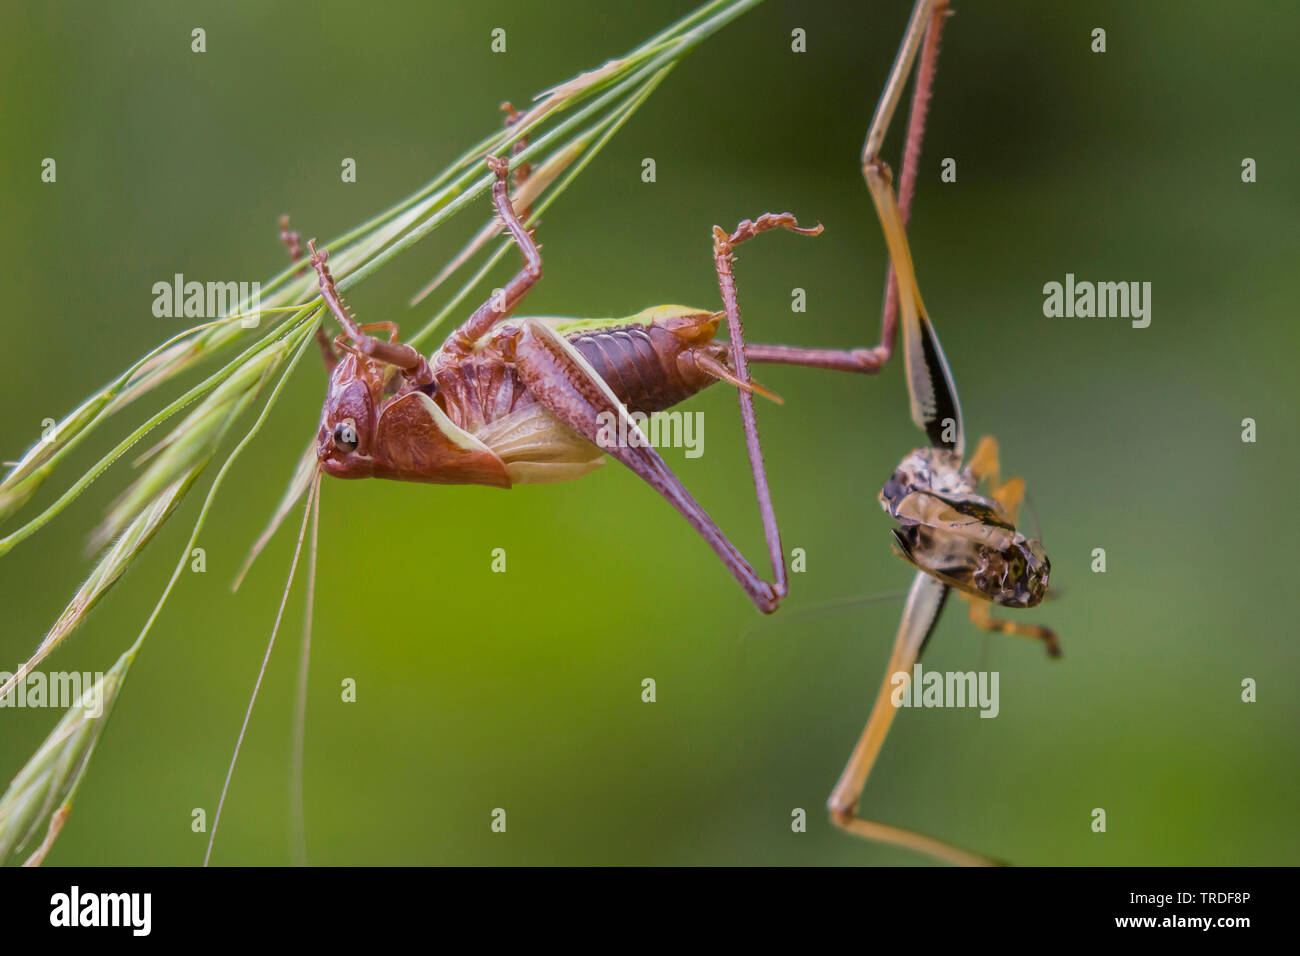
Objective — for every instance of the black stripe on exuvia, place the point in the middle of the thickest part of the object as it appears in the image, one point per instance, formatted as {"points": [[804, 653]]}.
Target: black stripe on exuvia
{"points": [[938, 612], [945, 405]]}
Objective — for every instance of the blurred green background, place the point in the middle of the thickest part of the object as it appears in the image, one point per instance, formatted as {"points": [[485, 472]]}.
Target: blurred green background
{"points": [[522, 690]]}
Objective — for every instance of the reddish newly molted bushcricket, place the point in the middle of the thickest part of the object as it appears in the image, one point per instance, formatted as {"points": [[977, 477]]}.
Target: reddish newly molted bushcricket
{"points": [[514, 400]]}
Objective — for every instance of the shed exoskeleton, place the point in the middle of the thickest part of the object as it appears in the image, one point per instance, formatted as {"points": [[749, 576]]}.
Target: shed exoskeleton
{"points": [[968, 541], [955, 537]]}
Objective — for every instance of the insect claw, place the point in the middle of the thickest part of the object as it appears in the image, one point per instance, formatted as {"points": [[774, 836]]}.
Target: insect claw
{"points": [[749, 228], [292, 241], [880, 168]]}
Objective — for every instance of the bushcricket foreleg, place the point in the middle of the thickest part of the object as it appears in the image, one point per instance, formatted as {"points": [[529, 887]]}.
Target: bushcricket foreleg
{"points": [[563, 381], [411, 363], [1009, 494], [982, 618], [389, 327], [983, 463], [293, 244], [984, 467], [924, 602], [501, 305]]}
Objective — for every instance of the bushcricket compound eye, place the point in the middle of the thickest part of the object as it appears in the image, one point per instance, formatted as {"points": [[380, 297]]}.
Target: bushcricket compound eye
{"points": [[345, 436]]}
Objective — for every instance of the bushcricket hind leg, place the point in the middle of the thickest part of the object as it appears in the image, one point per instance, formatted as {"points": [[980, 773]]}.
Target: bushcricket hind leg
{"points": [[844, 360], [866, 361], [933, 394], [922, 89], [930, 383], [501, 305], [570, 389], [293, 245], [983, 618], [924, 602]]}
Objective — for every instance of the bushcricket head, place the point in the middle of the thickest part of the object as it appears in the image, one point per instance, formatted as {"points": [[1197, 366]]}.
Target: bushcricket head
{"points": [[372, 427], [349, 417]]}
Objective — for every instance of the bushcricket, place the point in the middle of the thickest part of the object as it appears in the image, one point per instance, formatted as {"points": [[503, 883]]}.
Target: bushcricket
{"points": [[956, 538], [512, 400]]}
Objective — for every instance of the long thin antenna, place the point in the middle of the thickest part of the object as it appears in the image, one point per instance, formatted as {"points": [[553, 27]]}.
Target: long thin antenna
{"points": [[768, 624], [261, 673], [297, 817]]}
